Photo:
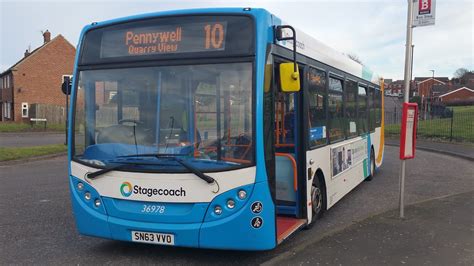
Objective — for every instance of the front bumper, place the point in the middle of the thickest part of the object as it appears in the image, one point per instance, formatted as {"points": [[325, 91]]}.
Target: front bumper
{"points": [[232, 230]]}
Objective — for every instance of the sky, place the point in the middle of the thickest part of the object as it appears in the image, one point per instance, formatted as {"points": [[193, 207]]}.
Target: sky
{"points": [[374, 30]]}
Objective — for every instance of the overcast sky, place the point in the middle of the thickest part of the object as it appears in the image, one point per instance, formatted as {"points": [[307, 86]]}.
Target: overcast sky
{"points": [[374, 30]]}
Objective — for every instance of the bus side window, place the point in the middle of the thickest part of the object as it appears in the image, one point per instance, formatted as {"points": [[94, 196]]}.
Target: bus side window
{"points": [[335, 107], [317, 107], [371, 109], [350, 101], [362, 117]]}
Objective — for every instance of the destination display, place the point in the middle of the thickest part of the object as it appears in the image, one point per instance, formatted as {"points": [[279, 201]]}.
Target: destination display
{"points": [[178, 38], [160, 38]]}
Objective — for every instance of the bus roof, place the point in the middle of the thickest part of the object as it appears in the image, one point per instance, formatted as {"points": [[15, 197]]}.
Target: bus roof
{"points": [[321, 52], [306, 44]]}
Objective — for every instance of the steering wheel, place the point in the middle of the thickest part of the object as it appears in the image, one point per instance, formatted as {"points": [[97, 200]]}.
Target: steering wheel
{"points": [[136, 122], [245, 142]]}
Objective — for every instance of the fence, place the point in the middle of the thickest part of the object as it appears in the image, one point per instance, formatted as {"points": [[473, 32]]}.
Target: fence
{"points": [[53, 113], [452, 126]]}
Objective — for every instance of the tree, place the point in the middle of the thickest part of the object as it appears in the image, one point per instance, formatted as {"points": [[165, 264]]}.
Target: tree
{"points": [[460, 72], [355, 58]]}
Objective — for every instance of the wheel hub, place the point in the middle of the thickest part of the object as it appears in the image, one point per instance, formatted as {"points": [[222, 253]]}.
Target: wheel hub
{"points": [[316, 199]]}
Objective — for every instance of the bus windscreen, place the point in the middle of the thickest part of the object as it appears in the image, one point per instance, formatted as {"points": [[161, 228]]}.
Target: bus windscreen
{"points": [[170, 37]]}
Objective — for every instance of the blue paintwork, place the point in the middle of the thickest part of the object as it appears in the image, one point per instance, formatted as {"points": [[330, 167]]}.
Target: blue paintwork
{"points": [[235, 231], [222, 199], [90, 220], [119, 217]]}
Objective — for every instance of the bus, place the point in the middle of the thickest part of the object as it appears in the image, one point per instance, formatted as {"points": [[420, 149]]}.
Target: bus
{"points": [[220, 128]]}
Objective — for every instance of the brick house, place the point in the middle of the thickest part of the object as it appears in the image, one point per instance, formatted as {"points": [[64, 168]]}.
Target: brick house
{"points": [[36, 78], [425, 85], [397, 87], [463, 95]]}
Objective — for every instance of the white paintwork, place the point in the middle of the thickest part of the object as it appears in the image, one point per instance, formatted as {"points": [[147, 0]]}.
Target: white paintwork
{"points": [[197, 190], [319, 51], [344, 182]]}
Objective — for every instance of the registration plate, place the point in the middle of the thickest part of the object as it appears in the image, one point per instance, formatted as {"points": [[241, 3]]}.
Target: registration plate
{"points": [[153, 238]]}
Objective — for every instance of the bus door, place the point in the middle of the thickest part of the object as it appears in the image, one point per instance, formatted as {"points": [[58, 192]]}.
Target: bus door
{"points": [[289, 161]]}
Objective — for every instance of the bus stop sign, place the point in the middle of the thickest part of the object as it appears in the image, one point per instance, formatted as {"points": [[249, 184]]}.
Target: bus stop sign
{"points": [[408, 131]]}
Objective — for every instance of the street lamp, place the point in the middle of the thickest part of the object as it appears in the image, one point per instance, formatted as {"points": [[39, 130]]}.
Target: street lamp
{"points": [[430, 94]]}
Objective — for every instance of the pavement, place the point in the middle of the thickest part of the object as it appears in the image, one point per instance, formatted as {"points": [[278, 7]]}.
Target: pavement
{"points": [[25, 139], [435, 232], [457, 149], [37, 225]]}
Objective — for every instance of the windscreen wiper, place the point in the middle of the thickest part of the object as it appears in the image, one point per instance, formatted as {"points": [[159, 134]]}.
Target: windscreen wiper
{"points": [[103, 171], [191, 168]]}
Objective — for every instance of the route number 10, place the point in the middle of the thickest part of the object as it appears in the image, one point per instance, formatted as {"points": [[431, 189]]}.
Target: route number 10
{"points": [[214, 36]]}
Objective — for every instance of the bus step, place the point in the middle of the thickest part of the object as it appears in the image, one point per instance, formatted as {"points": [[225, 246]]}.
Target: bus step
{"points": [[286, 226]]}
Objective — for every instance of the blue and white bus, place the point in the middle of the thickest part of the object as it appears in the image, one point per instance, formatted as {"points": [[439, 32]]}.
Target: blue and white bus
{"points": [[215, 128]]}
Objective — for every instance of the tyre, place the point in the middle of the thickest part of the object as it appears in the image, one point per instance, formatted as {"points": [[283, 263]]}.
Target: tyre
{"points": [[318, 201], [372, 166]]}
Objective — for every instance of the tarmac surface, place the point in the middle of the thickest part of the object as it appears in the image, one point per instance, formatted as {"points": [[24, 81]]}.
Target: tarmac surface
{"points": [[37, 225], [435, 232], [30, 139]]}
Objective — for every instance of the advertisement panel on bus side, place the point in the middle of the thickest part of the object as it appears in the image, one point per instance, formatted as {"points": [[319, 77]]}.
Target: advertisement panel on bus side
{"points": [[347, 155]]}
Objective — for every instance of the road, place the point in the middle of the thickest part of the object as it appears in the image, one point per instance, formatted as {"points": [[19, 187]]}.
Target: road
{"points": [[30, 139], [36, 223]]}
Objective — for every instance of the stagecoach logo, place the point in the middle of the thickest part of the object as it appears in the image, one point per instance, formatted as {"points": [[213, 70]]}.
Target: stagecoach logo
{"points": [[126, 189]]}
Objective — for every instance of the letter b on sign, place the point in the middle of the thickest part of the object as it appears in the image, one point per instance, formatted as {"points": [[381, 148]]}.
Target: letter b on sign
{"points": [[424, 6]]}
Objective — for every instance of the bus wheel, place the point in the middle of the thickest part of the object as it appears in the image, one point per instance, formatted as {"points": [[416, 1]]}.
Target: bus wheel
{"points": [[372, 166], [318, 201]]}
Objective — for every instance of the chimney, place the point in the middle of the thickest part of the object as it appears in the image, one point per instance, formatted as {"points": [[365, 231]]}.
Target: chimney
{"points": [[27, 52], [47, 36]]}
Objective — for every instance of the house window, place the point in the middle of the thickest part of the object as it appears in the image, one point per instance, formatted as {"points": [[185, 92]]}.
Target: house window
{"points": [[8, 107], [24, 110]]}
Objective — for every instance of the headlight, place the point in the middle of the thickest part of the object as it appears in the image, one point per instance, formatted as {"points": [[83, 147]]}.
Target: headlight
{"points": [[218, 210], [230, 204], [242, 194], [97, 203], [87, 195], [80, 186]]}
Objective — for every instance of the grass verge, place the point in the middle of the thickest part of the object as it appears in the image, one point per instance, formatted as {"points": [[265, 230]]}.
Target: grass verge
{"points": [[22, 127], [462, 128], [15, 153]]}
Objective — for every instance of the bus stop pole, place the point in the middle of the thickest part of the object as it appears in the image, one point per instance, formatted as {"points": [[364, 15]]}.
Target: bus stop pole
{"points": [[407, 77]]}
